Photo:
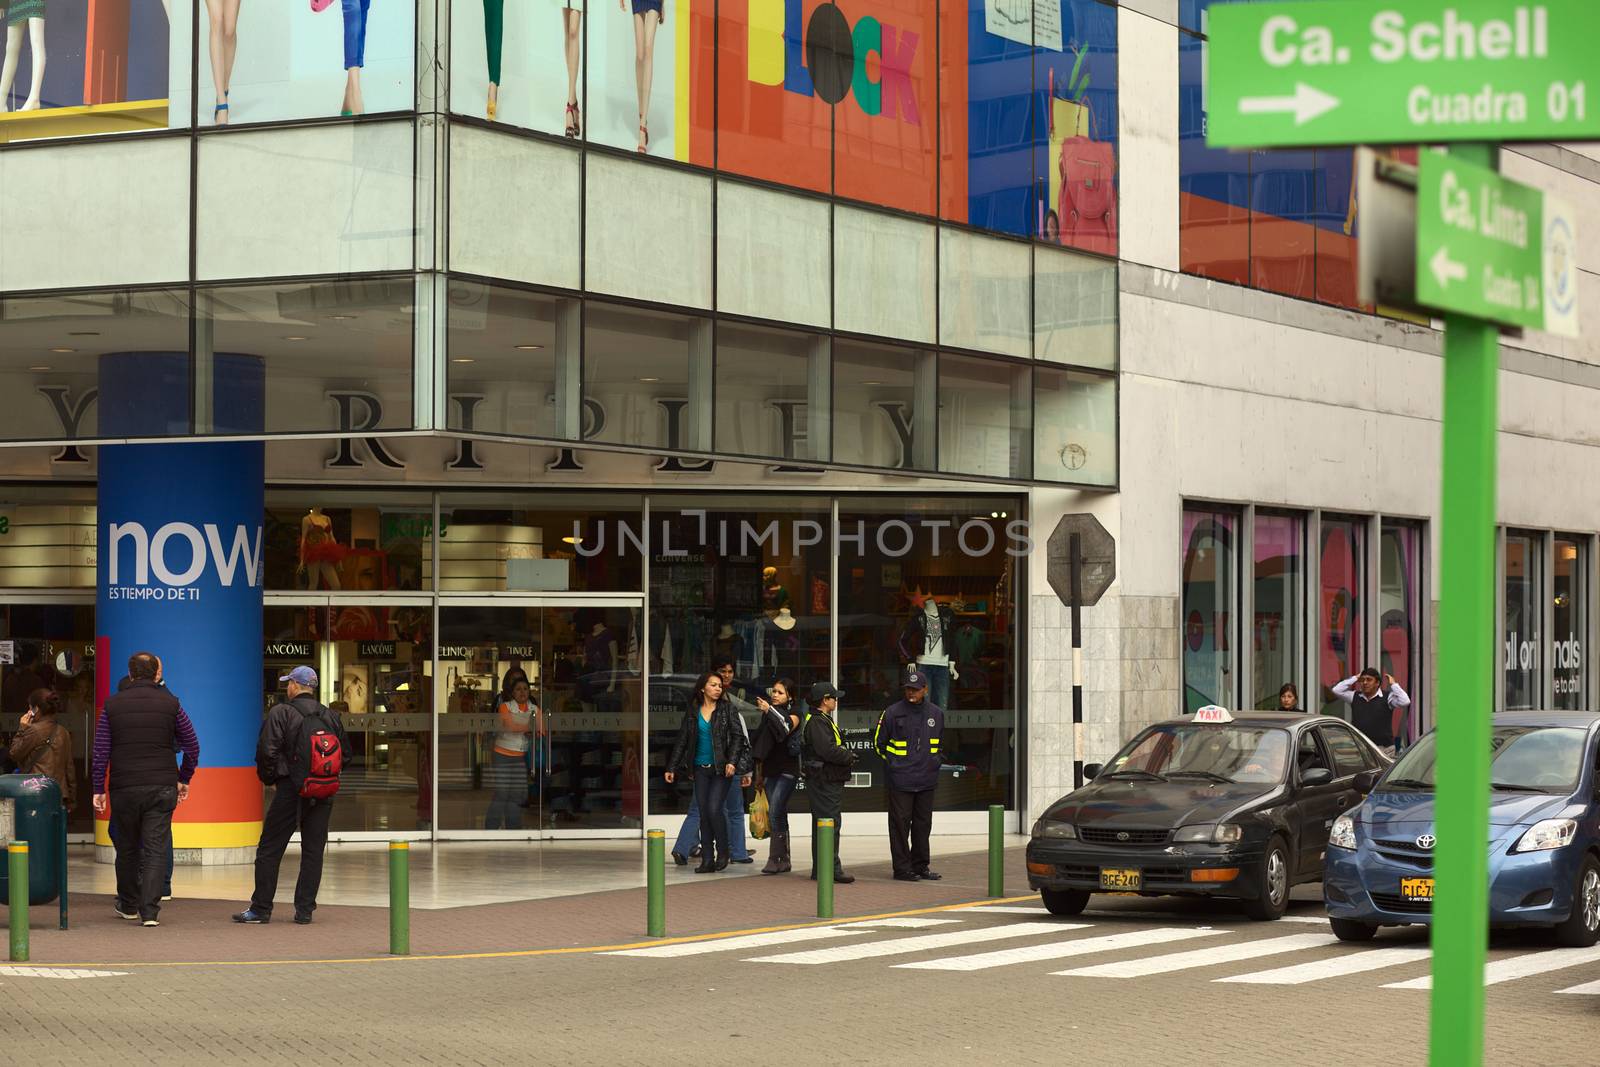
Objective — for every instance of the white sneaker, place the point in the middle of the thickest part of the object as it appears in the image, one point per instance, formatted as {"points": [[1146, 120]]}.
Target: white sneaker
{"points": [[151, 922], [166, 898], [131, 916]]}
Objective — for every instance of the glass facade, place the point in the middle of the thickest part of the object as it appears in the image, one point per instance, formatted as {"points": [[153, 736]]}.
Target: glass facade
{"points": [[1342, 607], [1569, 635], [1209, 607], [1522, 633], [1278, 627]]}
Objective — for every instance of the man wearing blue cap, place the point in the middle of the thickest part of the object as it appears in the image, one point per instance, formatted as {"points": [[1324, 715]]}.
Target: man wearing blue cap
{"points": [[300, 751], [907, 737]]}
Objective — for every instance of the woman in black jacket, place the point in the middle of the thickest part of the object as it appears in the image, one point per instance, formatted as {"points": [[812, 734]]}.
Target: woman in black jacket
{"points": [[780, 768], [711, 746]]}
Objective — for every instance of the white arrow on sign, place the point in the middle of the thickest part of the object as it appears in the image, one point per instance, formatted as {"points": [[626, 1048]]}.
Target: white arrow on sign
{"points": [[1445, 269], [1306, 104]]}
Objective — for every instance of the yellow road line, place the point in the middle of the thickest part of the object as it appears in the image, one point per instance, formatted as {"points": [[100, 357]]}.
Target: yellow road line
{"points": [[574, 951]]}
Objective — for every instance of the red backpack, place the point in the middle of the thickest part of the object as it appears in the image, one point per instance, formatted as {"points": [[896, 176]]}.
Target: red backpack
{"points": [[317, 757]]}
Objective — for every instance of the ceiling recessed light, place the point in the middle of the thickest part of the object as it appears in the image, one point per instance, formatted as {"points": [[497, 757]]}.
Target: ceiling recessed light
{"points": [[293, 337], [569, 539], [649, 379], [462, 359], [39, 367], [530, 348], [63, 351], [871, 383]]}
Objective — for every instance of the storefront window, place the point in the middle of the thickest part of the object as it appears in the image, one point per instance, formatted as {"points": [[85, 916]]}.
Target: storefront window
{"points": [[932, 582], [1210, 606], [551, 542], [884, 400], [1342, 607], [646, 378], [317, 540], [53, 648], [1278, 635], [514, 365], [374, 662], [47, 537], [739, 577], [1524, 617], [772, 393], [1569, 643], [1401, 621]]}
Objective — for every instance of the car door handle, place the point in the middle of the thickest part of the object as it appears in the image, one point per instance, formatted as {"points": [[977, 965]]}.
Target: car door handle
{"points": [[1344, 802]]}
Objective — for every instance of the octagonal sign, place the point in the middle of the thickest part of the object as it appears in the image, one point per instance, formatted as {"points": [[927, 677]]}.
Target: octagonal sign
{"points": [[1099, 558]]}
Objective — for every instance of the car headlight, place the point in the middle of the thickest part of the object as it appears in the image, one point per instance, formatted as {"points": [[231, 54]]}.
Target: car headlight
{"points": [[1222, 833], [1551, 833], [1343, 834], [1060, 831]]}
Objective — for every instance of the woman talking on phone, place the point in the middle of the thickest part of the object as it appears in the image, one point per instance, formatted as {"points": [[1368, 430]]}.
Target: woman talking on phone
{"points": [[712, 748], [44, 746], [780, 766]]}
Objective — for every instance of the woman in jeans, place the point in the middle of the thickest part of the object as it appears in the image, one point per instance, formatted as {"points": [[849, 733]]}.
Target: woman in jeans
{"points": [[780, 719], [713, 748], [520, 719]]}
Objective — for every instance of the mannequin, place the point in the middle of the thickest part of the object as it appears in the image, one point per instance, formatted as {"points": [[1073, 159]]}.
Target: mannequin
{"points": [[928, 642], [600, 658], [774, 596], [319, 552], [785, 619], [19, 12]]}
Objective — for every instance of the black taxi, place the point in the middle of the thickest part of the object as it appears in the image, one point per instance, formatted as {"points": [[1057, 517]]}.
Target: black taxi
{"points": [[1214, 804]]}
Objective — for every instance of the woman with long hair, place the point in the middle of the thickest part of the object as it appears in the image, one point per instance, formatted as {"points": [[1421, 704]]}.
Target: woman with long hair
{"points": [[648, 15], [712, 747], [780, 767], [521, 722], [224, 37], [44, 746]]}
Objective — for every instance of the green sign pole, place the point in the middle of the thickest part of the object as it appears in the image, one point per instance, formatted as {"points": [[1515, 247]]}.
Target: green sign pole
{"points": [[1466, 679]]}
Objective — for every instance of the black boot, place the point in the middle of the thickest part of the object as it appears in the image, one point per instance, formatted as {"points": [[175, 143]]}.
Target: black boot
{"points": [[784, 864], [840, 878], [723, 856], [774, 856], [708, 861]]}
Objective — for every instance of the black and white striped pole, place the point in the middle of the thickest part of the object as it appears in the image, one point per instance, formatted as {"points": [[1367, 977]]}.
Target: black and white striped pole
{"points": [[1075, 561], [1080, 564]]}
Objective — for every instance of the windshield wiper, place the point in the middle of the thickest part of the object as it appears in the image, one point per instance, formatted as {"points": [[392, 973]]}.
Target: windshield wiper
{"points": [[1147, 774], [1407, 783], [1511, 787], [1212, 775]]}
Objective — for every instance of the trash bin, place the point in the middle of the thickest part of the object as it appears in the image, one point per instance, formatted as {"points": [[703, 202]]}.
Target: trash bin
{"points": [[37, 818]]}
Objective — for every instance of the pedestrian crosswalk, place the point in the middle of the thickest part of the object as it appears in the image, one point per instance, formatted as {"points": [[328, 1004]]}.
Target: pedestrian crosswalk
{"points": [[1115, 948]]}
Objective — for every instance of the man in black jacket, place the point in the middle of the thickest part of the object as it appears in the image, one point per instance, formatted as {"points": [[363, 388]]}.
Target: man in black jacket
{"points": [[284, 741], [826, 762], [907, 738]]}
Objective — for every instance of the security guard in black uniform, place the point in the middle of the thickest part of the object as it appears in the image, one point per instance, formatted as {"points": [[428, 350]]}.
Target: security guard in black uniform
{"points": [[907, 738], [826, 762]]}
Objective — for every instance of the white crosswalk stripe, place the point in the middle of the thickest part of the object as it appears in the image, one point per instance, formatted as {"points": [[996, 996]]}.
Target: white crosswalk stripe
{"points": [[902, 945], [1586, 989], [1057, 950], [738, 944], [1203, 957], [912, 922], [1353, 962], [1543, 962], [68, 973], [1037, 911]]}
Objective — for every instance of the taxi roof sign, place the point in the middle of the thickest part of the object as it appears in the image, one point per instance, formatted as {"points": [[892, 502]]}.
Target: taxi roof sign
{"points": [[1212, 713]]}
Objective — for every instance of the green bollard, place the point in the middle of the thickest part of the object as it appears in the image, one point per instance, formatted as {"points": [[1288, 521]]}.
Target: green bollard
{"points": [[825, 860], [399, 898], [997, 853], [18, 852], [656, 881]]}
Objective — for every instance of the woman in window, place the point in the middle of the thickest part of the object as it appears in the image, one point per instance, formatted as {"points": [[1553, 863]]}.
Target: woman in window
{"points": [[224, 18], [520, 720], [780, 768], [355, 50], [714, 749], [648, 15]]}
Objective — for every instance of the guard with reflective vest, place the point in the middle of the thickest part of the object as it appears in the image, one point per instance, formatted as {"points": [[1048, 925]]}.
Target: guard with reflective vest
{"points": [[826, 763], [907, 737], [301, 752]]}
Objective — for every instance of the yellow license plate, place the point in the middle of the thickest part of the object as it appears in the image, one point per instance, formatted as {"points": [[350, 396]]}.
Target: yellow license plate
{"points": [[1419, 889], [1119, 878]]}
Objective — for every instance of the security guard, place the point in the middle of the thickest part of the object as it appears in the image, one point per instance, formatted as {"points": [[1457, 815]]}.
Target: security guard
{"points": [[907, 738], [826, 762]]}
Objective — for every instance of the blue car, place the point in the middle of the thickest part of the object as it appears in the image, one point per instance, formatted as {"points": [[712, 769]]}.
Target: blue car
{"points": [[1544, 835]]}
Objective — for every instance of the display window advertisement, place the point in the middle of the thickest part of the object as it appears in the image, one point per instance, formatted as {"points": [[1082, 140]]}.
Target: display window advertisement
{"points": [[650, 75], [520, 64]]}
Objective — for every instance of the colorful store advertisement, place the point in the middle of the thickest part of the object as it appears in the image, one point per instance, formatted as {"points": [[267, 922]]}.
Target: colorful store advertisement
{"points": [[76, 67], [1037, 154], [650, 78], [519, 63], [268, 62]]}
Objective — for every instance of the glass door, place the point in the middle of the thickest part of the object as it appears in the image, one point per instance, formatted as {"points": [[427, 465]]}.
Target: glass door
{"points": [[52, 647], [565, 757]]}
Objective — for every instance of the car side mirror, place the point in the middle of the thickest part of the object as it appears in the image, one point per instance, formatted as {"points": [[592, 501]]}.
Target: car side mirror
{"points": [[1366, 780], [1091, 771], [1316, 776]]}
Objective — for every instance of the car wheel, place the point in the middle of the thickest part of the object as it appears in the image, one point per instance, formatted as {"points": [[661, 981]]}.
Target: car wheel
{"points": [[1350, 930], [1065, 901], [1582, 927], [1274, 883]]}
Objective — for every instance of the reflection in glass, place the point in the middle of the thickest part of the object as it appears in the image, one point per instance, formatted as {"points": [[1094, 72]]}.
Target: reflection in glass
{"points": [[772, 393], [883, 400], [1278, 629], [1210, 606], [1523, 642], [646, 378], [985, 412], [1342, 608], [1074, 427], [1569, 639], [50, 537], [548, 543], [1400, 620], [514, 363]]}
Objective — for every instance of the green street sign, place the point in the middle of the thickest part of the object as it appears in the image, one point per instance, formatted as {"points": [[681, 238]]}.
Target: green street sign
{"points": [[1334, 72], [1493, 248]]}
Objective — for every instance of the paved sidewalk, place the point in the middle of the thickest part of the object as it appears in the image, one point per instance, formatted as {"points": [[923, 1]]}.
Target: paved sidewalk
{"points": [[200, 930]]}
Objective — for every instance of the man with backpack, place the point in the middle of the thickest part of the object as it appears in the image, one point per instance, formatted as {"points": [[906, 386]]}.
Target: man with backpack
{"points": [[301, 752]]}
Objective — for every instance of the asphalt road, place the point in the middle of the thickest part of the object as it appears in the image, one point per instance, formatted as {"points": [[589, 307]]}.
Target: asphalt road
{"points": [[1186, 984]]}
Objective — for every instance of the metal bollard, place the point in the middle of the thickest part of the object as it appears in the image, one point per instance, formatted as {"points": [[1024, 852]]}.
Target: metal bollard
{"points": [[18, 854], [997, 853], [656, 881], [825, 860], [399, 898]]}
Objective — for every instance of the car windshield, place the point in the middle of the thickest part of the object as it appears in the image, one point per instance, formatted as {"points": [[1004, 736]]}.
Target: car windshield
{"points": [[1522, 759], [1234, 753]]}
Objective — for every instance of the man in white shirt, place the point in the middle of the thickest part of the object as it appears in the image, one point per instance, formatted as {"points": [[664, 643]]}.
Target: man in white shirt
{"points": [[1377, 706]]}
